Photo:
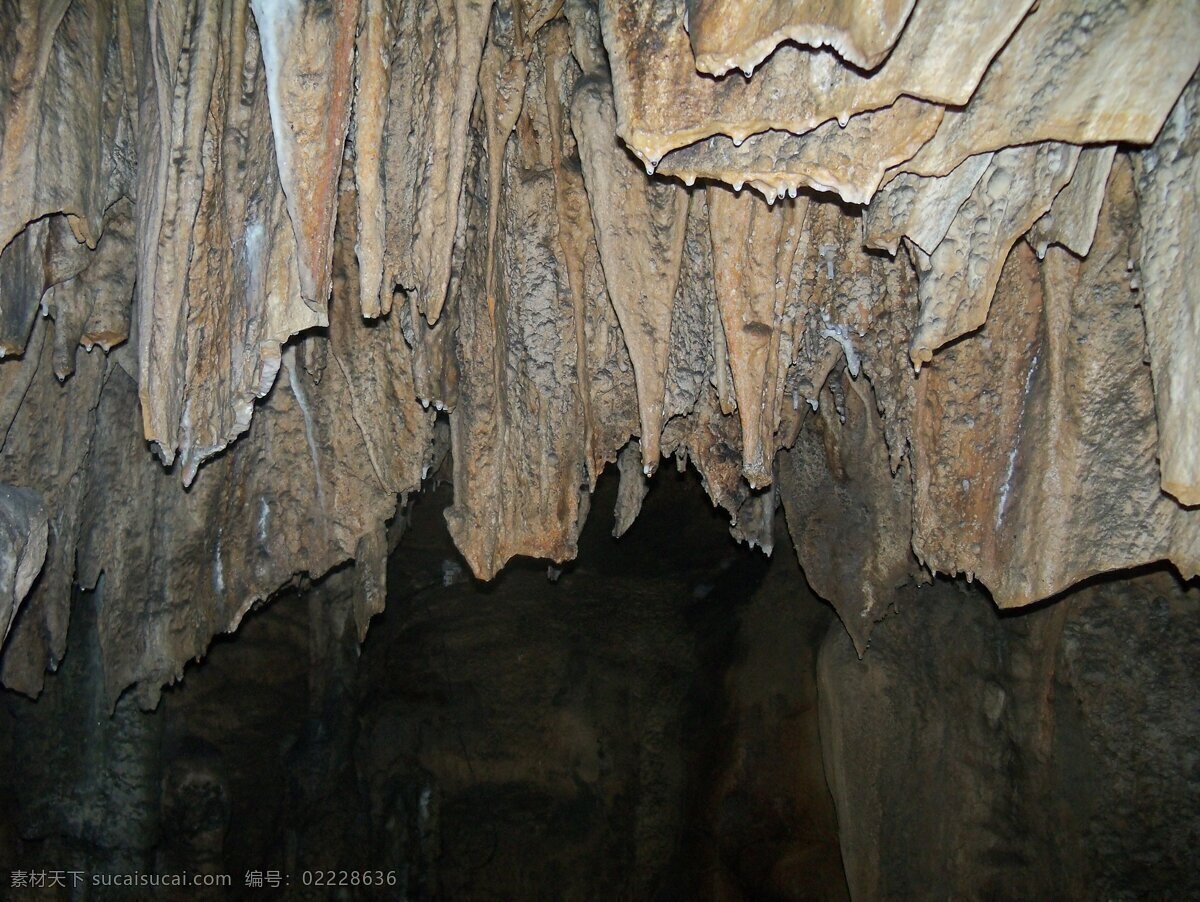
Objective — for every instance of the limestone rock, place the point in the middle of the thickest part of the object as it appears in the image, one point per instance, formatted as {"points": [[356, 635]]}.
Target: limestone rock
{"points": [[729, 34], [92, 308], [980, 799], [266, 179], [640, 230], [663, 103], [1075, 71], [920, 208], [607, 388], [1071, 221], [632, 489], [849, 161], [218, 280], [22, 282], [46, 446], [958, 278], [754, 247], [993, 497], [434, 56], [517, 432], [308, 56], [23, 539], [69, 102], [847, 513], [694, 317], [1168, 186]]}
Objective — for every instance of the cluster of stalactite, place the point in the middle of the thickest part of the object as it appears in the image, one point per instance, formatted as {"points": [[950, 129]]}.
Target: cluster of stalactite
{"points": [[919, 270]]}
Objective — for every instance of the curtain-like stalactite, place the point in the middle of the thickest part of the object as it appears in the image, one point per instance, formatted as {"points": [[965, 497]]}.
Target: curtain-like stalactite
{"points": [[898, 266]]}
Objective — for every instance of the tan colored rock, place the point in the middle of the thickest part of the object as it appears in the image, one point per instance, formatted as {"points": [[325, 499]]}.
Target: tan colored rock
{"points": [[754, 246], [109, 280], [849, 161], [1071, 221], [920, 208], [640, 230], [308, 487], [375, 362], [607, 389], [212, 323], [308, 56], [434, 69], [740, 34], [373, 77], [957, 280], [853, 305], [663, 103], [557, 302], [517, 431], [713, 443], [46, 446], [22, 282], [65, 255], [1168, 187], [632, 489], [1034, 490], [695, 320], [69, 98], [753, 523], [92, 308], [1078, 71]]}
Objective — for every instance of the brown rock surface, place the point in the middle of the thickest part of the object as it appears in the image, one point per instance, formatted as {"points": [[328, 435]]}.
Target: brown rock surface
{"points": [[640, 228], [847, 513], [1168, 186], [219, 286], [434, 57], [920, 208], [68, 110], [664, 103], [1078, 71], [729, 34], [22, 549], [848, 161], [1013, 486], [979, 188], [958, 278], [754, 247], [1015, 760], [308, 56]]}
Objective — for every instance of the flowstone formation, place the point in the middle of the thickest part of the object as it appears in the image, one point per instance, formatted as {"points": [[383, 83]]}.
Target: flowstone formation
{"points": [[921, 272]]}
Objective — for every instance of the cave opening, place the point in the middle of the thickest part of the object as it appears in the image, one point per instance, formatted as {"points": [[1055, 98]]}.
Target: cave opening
{"points": [[672, 715], [639, 723]]}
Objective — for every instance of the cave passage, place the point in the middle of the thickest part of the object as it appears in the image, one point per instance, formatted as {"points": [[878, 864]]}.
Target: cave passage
{"points": [[613, 729], [671, 716]]}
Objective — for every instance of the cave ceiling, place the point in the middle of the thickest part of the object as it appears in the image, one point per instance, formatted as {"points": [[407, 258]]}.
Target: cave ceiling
{"points": [[921, 272]]}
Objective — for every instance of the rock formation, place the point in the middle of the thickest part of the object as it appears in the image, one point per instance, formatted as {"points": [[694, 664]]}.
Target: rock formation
{"points": [[918, 271]]}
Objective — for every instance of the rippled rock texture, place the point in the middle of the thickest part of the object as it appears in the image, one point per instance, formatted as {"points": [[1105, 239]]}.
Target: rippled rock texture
{"points": [[918, 272]]}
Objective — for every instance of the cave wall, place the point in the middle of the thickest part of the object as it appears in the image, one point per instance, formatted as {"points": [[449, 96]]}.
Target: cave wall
{"points": [[1043, 755]]}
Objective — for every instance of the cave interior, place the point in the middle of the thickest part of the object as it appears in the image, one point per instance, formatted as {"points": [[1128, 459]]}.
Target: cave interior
{"points": [[600, 449]]}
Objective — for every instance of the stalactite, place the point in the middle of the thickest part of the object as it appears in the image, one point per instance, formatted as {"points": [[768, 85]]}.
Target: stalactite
{"points": [[307, 245]]}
